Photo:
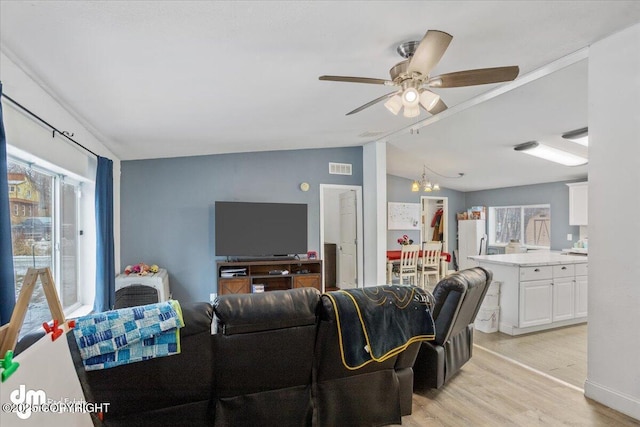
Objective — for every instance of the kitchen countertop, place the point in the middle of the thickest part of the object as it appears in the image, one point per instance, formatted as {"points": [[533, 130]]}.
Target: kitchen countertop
{"points": [[576, 251], [530, 259]]}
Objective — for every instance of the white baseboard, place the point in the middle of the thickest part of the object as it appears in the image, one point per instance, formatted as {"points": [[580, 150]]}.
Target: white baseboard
{"points": [[512, 330], [628, 405]]}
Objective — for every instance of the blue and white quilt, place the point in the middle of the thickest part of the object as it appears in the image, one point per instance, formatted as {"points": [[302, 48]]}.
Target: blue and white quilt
{"points": [[129, 335]]}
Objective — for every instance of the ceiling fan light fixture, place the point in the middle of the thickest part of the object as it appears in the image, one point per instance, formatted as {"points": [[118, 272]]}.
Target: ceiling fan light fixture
{"points": [[552, 154], [428, 99], [394, 104], [411, 111], [410, 97]]}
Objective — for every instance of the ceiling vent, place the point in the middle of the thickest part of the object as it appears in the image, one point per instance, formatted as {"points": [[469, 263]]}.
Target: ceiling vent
{"points": [[371, 133], [339, 168]]}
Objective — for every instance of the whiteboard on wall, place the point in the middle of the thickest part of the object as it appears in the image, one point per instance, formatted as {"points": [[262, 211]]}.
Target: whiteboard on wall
{"points": [[403, 216]]}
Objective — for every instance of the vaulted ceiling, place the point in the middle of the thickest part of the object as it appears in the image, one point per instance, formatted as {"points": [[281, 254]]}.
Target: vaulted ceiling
{"points": [[182, 78]]}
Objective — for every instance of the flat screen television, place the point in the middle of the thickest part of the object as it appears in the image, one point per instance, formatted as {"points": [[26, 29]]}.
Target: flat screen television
{"points": [[246, 229]]}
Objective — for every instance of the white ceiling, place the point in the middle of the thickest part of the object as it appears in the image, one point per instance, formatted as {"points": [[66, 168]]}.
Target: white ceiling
{"points": [[180, 78]]}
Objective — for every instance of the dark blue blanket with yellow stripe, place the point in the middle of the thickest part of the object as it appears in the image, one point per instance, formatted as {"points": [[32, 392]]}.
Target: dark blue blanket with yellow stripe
{"points": [[376, 323]]}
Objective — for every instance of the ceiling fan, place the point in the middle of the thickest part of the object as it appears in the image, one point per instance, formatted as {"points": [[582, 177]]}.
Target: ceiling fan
{"points": [[412, 77]]}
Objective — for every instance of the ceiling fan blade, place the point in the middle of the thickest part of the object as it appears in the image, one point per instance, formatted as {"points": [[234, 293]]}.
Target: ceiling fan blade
{"points": [[439, 107], [370, 103], [357, 80], [480, 76], [429, 51]]}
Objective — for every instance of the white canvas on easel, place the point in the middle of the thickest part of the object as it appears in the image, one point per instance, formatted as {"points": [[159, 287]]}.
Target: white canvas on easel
{"points": [[46, 375], [47, 366]]}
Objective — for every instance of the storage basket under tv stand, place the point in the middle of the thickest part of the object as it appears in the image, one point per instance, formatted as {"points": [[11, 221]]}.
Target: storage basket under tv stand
{"points": [[257, 272]]}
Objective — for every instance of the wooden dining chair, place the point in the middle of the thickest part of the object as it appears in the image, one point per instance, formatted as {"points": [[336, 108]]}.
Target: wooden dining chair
{"points": [[429, 263], [408, 267]]}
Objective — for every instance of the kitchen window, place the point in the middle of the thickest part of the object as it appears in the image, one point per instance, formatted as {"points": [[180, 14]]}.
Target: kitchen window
{"points": [[528, 224]]}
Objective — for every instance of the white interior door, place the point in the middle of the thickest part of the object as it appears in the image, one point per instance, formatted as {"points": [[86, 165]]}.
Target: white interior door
{"points": [[347, 248]]}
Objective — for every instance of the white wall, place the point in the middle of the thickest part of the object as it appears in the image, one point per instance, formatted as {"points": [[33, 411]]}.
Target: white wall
{"points": [[613, 376], [24, 134], [374, 177]]}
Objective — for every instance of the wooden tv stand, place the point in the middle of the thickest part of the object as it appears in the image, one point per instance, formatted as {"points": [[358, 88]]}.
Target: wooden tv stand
{"points": [[301, 274]]}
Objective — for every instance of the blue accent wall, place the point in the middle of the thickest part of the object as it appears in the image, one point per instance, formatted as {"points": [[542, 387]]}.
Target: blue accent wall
{"points": [[555, 194], [167, 205]]}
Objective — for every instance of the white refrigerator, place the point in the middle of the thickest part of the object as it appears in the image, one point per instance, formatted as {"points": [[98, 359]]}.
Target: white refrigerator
{"points": [[472, 240]]}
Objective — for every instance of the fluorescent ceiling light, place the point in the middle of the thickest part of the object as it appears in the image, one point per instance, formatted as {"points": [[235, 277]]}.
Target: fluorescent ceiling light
{"points": [[580, 136], [549, 153]]}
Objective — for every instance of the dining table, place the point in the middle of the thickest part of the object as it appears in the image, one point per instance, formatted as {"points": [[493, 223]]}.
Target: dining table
{"points": [[393, 257]]}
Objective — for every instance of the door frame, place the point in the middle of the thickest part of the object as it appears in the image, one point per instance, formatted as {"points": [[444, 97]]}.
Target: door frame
{"points": [[359, 227], [445, 212]]}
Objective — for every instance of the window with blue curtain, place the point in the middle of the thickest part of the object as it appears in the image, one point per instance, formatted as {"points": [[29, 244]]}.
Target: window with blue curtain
{"points": [[7, 290]]}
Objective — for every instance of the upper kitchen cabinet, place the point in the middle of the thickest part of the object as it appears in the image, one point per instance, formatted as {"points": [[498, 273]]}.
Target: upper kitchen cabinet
{"points": [[578, 203]]}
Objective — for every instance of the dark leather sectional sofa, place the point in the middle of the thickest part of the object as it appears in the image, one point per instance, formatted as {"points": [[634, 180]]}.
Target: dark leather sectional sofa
{"points": [[275, 361]]}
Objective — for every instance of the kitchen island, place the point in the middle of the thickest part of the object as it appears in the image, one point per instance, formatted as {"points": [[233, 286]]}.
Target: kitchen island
{"points": [[539, 290]]}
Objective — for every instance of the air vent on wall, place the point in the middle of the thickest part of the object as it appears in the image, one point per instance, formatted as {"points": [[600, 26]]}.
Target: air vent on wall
{"points": [[339, 168]]}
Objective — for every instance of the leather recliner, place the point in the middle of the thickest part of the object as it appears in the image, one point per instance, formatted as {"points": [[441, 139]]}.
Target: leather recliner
{"points": [[264, 358], [457, 301], [378, 393]]}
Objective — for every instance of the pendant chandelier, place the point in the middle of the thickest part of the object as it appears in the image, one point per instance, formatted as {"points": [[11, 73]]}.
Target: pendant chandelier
{"points": [[424, 183]]}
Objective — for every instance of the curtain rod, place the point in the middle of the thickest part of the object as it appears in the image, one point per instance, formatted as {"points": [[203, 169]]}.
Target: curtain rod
{"points": [[53, 128]]}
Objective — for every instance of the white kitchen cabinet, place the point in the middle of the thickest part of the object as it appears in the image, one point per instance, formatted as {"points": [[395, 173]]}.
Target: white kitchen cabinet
{"points": [[539, 290], [578, 203], [581, 290], [563, 292], [536, 298], [563, 299]]}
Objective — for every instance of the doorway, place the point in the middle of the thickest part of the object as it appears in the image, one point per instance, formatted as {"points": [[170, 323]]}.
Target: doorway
{"points": [[341, 234], [435, 226]]}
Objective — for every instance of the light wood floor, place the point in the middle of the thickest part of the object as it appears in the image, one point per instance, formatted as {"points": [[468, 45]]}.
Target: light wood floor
{"points": [[561, 353], [489, 391]]}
